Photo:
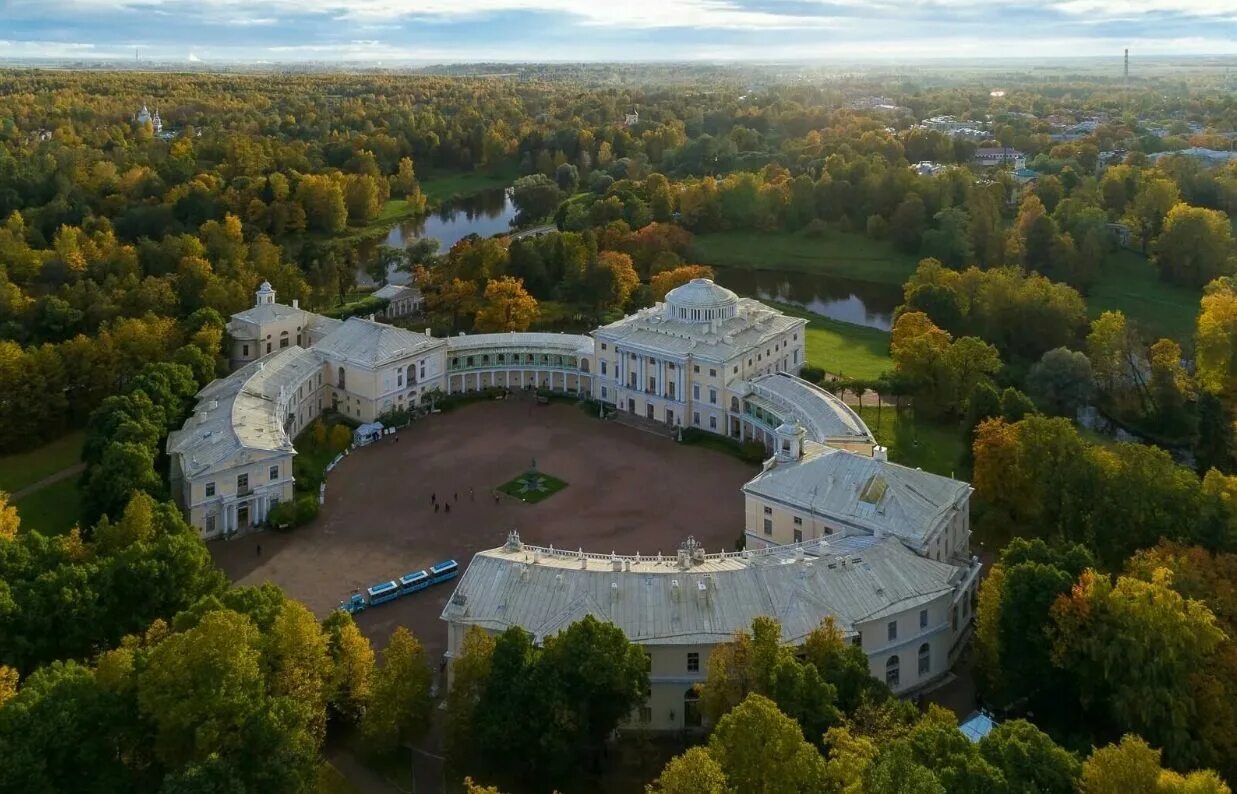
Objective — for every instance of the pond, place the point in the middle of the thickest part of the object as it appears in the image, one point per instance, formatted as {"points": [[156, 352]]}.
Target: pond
{"points": [[842, 299], [485, 214]]}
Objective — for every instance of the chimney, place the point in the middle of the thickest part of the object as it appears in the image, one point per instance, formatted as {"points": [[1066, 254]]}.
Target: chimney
{"points": [[427, 331], [880, 453]]}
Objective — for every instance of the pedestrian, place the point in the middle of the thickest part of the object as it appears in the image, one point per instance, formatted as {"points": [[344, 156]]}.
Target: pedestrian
{"points": [[434, 497], [448, 507], [435, 507], [259, 549], [471, 497], [457, 496]]}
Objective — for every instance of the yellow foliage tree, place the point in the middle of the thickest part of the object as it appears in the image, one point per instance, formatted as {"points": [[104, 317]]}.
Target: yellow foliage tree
{"points": [[507, 306], [9, 520]]}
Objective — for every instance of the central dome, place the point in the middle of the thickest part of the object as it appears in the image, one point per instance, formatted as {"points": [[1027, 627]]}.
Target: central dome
{"points": [[700, 300]]}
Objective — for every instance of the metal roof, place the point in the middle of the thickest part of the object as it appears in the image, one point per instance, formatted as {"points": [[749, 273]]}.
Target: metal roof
{"points": [[822, 414], [862, 492], [239, 418], [552, 343], [371, 344], [752, 325], [703, 600]]}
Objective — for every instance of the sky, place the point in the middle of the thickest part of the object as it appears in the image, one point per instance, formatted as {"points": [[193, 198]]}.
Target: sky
{"points": [[444, 31]]}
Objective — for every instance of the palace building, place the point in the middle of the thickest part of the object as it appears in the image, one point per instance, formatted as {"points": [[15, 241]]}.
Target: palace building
{"points": [[833, 528]]}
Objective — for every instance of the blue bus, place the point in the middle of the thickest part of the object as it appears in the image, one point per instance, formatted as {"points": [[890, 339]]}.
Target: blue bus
{"points": [[382, 593], [442, 571], [412, 582]]}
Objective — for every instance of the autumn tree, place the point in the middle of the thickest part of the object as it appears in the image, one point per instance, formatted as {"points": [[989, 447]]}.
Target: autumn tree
{"points": [[667, 280], [506, 306], [1195, 247], [399, 707]]}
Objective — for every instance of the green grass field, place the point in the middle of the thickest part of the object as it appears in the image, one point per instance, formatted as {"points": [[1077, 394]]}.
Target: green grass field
{"points": [[52, 510], [844, 349], [918, 443], [1130, 284], [532, 487], [24, 468], [441, 186], [847, 254]]}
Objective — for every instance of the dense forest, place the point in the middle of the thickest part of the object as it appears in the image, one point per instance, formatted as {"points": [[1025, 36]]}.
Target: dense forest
{"points": [[1107, 620]]}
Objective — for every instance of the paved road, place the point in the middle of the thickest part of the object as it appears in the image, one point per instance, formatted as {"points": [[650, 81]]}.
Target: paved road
{"points": [[535, 231], [50, 479]]}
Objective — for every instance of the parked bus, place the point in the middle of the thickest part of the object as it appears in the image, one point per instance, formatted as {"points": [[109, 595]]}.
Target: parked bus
{"points": [[382, 593], [442, 571], [412, 582]]}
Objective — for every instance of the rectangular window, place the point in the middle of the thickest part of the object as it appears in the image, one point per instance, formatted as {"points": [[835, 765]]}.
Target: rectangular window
{"points": [[768, 511], [210, 523], [245, 350], [923, 618], [210, 489], [693, 662], [603, 392], [798, 536], [768, 526], [713, 396], [603, 368], [798, 521], [892, 629], [696, 391], [274, 472], [712, 422], [696, 368], [925, 664], [242, 482], [646, 715], [696, 418], [603, 345], [712, 373]]}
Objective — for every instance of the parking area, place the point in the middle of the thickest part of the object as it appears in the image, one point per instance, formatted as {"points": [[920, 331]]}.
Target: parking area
{"points": [[627, 491]]}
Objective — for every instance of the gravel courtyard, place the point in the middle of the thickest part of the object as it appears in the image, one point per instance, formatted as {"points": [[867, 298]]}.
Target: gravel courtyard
{"points": [[627, 491]]}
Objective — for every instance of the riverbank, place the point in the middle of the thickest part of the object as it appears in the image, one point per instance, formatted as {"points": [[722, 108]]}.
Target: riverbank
{"points": [[442, 186]]}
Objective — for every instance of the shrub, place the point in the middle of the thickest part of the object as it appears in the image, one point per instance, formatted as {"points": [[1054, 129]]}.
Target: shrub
{"points": [[816, 229], [878, 227], [752, 452], [297, 513], [340, 438], [811, 374]]}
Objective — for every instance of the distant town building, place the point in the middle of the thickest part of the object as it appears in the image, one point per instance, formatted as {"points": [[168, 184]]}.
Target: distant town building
{"points": [[991, 156], [926, 168], [631, 119], [1209, 157]]}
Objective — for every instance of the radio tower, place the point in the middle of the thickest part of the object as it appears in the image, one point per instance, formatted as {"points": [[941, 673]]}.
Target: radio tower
{"points": [[1126, 103]]}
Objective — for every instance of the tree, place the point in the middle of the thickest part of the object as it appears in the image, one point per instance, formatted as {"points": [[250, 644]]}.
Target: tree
{"points": [[535, 196], [1215, 340], [1029, 760], [667, 280], [1134, 648], [950, 241], [693, 772], [507, 306], [399, 709], [760, 749], [10, 522], [1133, 767], [202, 686], [1154, 199], [612, 280], [1061, 382], [907, 223], [351, 666], [470, 674], [1195, 247]]}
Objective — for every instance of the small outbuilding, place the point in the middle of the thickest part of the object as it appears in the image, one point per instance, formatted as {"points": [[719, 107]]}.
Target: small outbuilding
{"points": [[367, 433]]}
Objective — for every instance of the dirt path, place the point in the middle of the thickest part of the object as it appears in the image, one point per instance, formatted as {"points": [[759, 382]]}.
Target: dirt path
{"points": [[50, 479]]}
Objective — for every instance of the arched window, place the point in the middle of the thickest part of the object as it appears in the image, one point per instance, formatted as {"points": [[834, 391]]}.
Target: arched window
{"points": [[925, 660], [734, 404], [691, 709], [399, 378], [892, 670], [340, 382]]}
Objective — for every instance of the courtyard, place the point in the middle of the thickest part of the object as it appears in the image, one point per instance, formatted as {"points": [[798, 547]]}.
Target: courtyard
{"points": [[627, 491]]}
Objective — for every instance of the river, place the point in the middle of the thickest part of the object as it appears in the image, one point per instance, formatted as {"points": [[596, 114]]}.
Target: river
{"points": [[486, 214], [843, 299]]}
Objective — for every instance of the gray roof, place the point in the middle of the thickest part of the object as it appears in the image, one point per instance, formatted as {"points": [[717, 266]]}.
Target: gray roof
{"points": [[370, 344], [753, 325], [239, 418], [864, 493], [393, 291], [823, 415], [266, 313], [854, 579], [575, 344]]}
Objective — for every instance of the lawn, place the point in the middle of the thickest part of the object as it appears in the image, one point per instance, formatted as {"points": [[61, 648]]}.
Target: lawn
{"points": [[532, 486], [846, 254], [52, 510], [918, 443], [442, 186], [1129, 284], [24, 468], [843, 349]]}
